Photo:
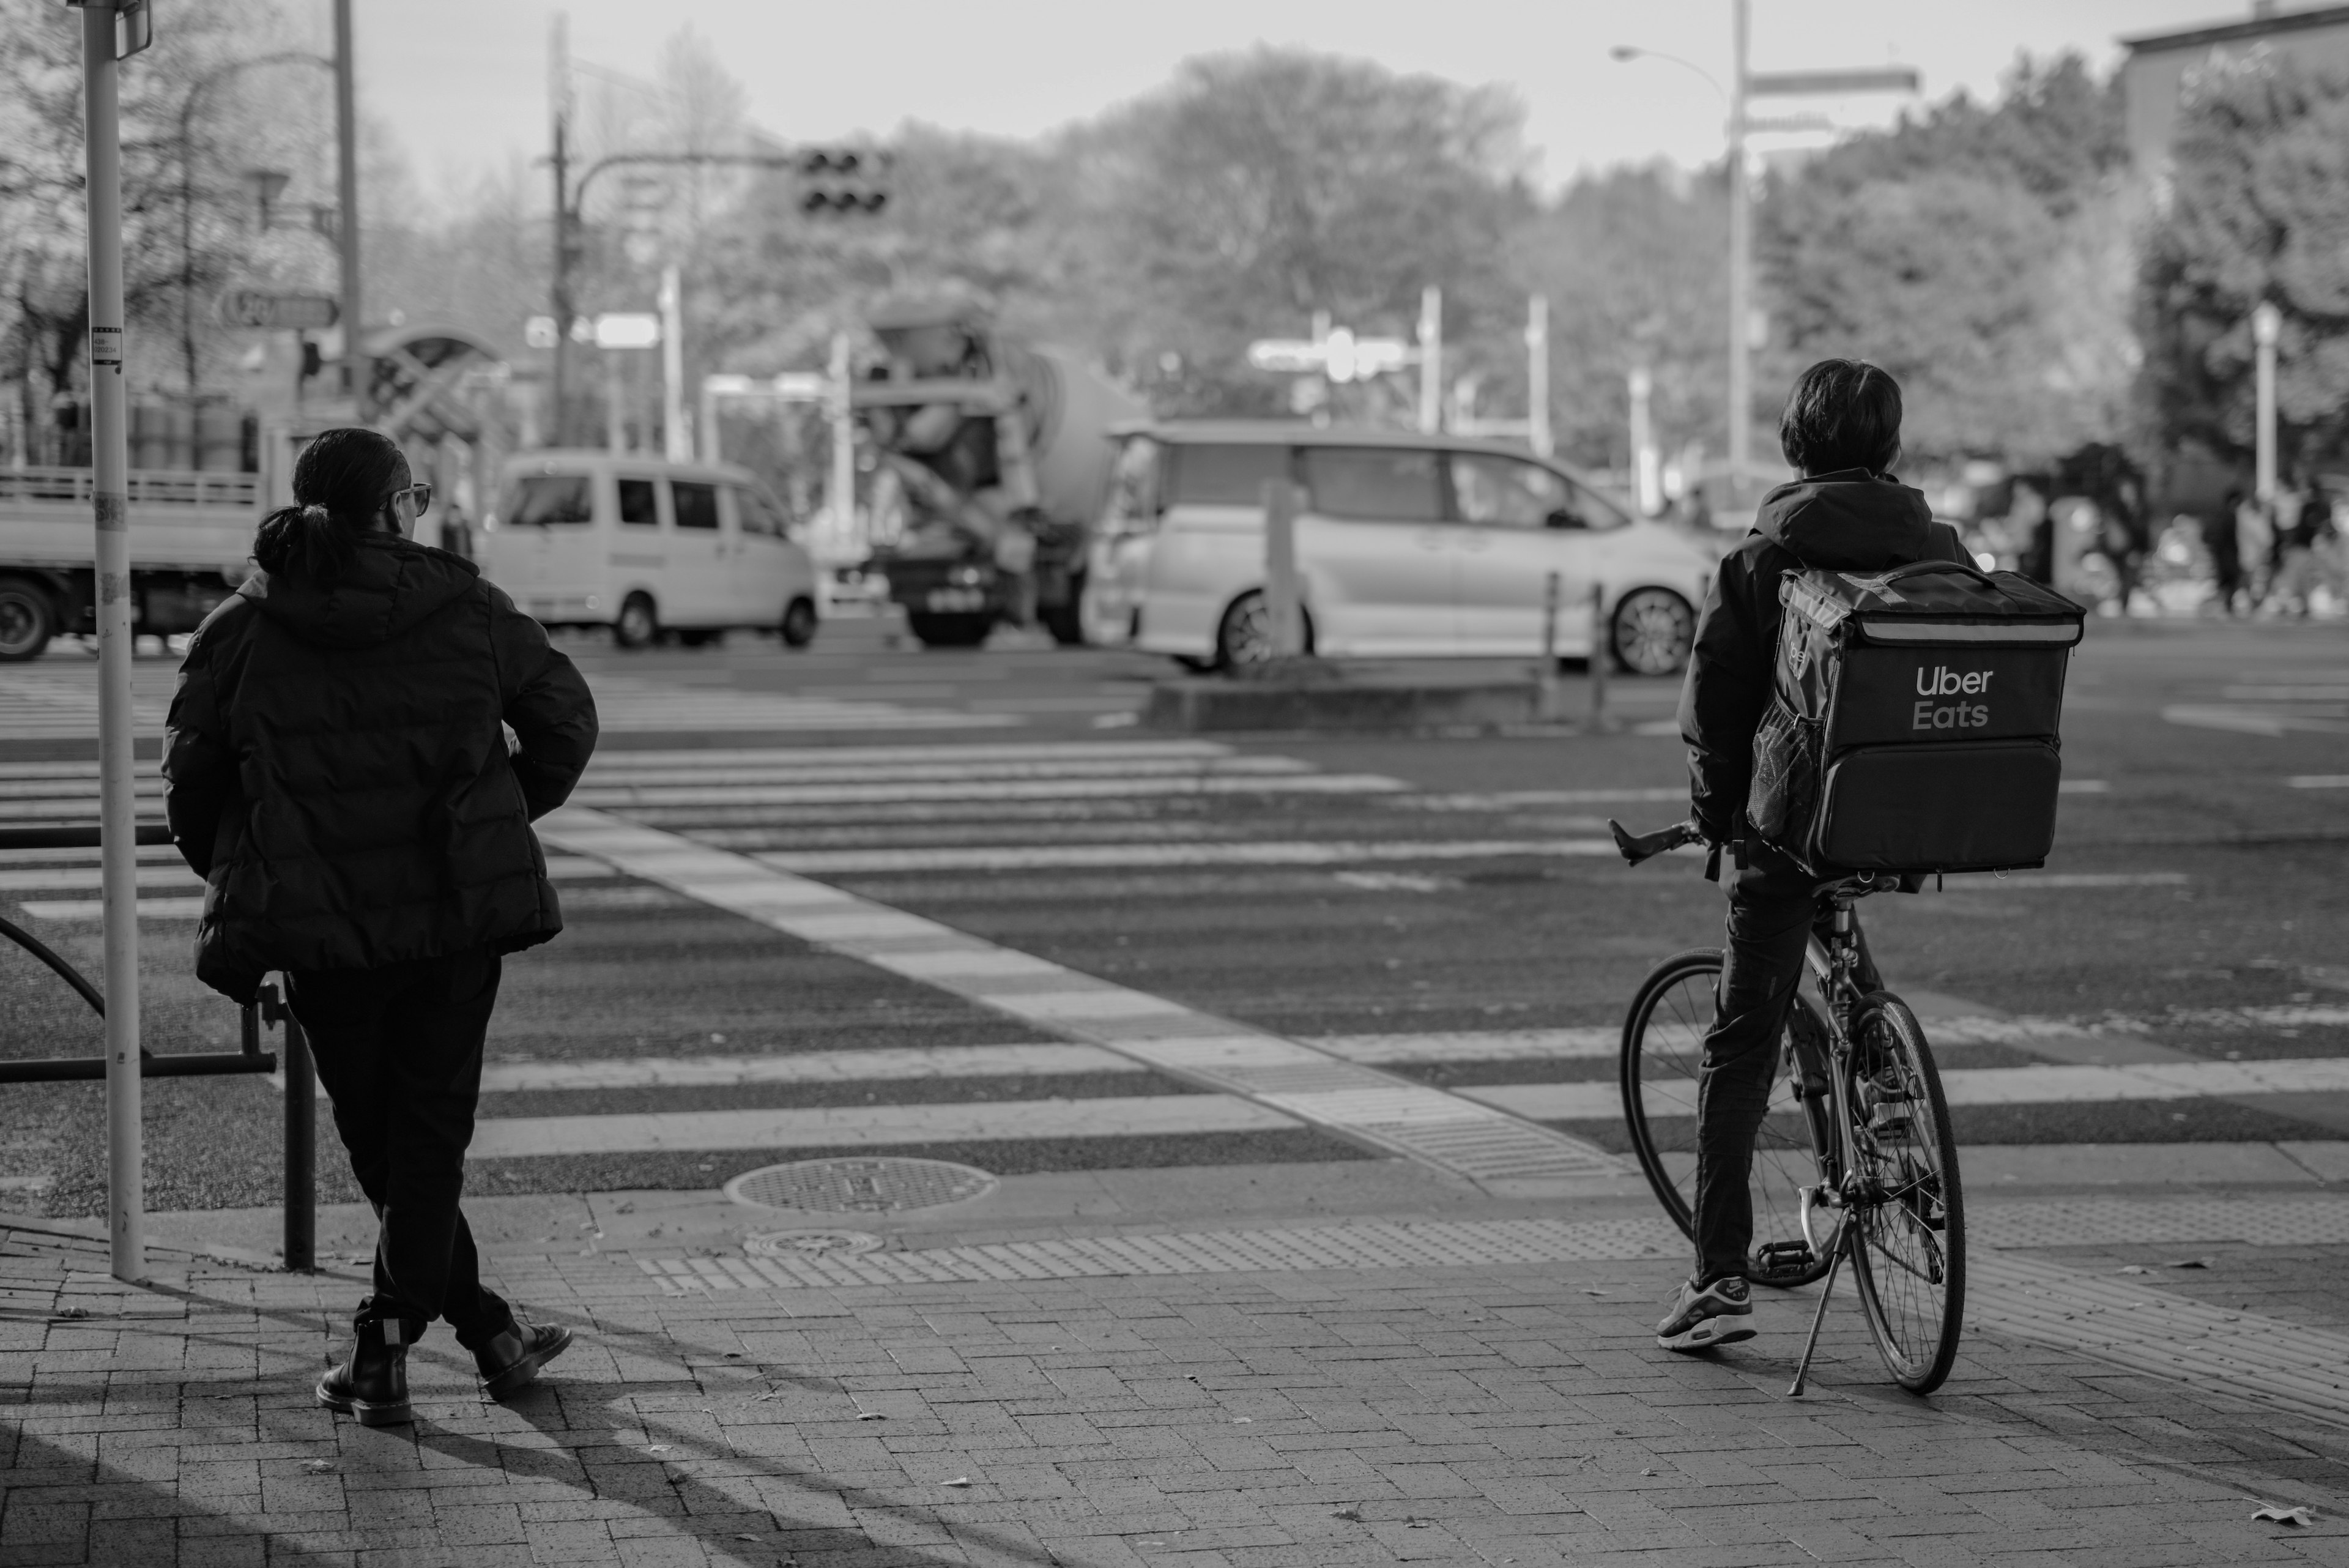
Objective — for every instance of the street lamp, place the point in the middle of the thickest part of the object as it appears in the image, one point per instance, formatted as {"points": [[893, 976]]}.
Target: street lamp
{"points": [[2267, 330], [196, 92], [1742, 85]]}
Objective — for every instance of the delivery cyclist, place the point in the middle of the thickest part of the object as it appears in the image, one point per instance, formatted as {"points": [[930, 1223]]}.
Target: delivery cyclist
{"points": [[1841, 431], [339, 775]]}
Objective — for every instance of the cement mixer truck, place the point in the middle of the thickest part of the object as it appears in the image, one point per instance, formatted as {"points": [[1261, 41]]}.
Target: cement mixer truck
{"points": [[995, 460]]}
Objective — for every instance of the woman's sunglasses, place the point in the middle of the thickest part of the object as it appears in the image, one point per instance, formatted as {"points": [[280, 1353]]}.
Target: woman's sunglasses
{"points": [[420, 493]]}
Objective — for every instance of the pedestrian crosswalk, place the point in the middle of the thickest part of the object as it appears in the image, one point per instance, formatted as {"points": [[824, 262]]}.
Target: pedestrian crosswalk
{"points": [[57, 698], [863, 852]]}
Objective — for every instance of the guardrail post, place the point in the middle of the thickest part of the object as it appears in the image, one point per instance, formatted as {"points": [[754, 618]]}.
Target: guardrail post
{"points": [[1599, 653], [301, 1134], [1282, 608], [1546, 692]]}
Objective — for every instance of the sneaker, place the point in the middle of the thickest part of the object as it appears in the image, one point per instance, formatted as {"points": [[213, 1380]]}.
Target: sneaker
{"points": [[1702, 1318]]}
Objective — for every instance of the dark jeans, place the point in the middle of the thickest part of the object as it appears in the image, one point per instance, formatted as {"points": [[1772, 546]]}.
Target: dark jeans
{"points": [[399, 1051], [1772, 908]]}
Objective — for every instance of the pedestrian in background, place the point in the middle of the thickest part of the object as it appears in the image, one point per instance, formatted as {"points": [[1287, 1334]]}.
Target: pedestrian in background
{"points": [[337, 773], [2220, 538]]}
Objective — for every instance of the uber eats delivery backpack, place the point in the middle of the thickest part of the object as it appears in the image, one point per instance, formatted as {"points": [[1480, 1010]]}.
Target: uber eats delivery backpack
{"points": [[1913, 727]]}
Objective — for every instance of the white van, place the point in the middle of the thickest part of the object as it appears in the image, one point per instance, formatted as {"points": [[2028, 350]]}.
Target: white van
{"points": [[647, 547], [1406, 545]]}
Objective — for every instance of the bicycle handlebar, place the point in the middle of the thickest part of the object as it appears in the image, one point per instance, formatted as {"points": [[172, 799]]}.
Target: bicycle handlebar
{"points": [[1648, 846]]}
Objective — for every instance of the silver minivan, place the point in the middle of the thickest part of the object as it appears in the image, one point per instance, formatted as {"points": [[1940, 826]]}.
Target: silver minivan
{"points": [[1407, 545], [646, 547]]}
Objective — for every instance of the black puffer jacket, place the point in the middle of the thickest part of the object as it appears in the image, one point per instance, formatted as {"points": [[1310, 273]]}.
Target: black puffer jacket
{"points": [[336, 774], [1850, 521]]}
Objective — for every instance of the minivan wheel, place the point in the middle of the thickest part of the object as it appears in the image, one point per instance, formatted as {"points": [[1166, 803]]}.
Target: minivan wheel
{"points": [[948, 631], [1244, 636], [28, 620], [798, 624], [1652, 630], [638, 626]]}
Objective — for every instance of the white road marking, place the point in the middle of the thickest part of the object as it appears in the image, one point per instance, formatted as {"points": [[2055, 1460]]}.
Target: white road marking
{"points": [[1218, 1053], [2319, 780], [2027, 881], [1600, 1041], [95, 908], [68, 878], [621, 759], [2248, 721], [1038, 857], [2054, 1083], [630, 703], [814, 771], [993, 1121], [781, 795]]}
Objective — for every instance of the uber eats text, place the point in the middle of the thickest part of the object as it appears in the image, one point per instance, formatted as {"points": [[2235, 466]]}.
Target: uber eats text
{"points": [[1946, 682]]}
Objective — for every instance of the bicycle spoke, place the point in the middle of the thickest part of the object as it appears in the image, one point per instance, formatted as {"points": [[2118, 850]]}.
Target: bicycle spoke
{"points": [[1911, 1262]]}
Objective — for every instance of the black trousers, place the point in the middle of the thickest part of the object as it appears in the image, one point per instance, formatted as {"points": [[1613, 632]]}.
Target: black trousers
{"points": [[1773, 910], [400, 1052]]}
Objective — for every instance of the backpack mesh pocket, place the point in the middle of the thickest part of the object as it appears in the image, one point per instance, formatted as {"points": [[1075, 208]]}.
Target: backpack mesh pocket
{"points": [[1786, 787]]}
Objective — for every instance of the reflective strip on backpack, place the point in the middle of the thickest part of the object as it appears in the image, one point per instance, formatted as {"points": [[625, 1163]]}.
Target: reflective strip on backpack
{"points": [[1998, 631]]}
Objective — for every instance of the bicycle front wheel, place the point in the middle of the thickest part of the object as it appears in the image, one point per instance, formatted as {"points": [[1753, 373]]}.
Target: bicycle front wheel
{"points": [[1910, 1263], [1663, 1047]]}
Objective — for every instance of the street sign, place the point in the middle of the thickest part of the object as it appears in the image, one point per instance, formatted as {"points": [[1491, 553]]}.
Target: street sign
{"points": [[264, 310], [1342, 356], [626, 329]]}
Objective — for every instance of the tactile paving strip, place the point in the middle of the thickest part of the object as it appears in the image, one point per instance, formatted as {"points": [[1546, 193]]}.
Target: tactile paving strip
{"points": [[2241, 1354], [2116, 1221], [1374, 1244], [1446, 1131]]}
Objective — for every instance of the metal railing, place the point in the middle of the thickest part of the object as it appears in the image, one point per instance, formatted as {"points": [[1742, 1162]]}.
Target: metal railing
{"points": [[148, 486], [268, 1009]]}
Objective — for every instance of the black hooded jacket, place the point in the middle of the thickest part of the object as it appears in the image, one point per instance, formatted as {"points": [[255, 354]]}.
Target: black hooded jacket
{"points": [[1847, 521], [337, 773]]}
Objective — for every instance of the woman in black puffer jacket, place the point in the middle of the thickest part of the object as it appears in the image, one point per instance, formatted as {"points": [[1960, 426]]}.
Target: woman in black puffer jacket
{"points": [[337, 773]]}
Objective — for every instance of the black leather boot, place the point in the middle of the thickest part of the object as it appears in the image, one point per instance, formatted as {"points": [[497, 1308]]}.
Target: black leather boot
{"points": [[373, 1383], [511, 1359]]}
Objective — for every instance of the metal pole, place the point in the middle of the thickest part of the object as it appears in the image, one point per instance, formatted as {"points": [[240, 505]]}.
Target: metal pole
{"points": [[1430, 360], [1599, 654], [615, 429], [1741, 247], [677, 443], [708, 432], [1545, 679], [358, 371], [843, 446], [558, 93], [301, 1149], [2267, 326], [110, 465], [1643, 443], [1537, 374], [1281, 607]]}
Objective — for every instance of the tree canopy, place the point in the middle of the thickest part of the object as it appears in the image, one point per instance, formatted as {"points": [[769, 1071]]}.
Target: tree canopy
{"points": [[2257, 209]]}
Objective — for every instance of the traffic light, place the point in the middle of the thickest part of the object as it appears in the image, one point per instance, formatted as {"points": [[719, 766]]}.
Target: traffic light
{"points": [[849, 182]]}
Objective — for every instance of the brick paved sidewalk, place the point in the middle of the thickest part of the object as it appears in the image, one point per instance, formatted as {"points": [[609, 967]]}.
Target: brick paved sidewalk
{"points": [[1509, 1415]]}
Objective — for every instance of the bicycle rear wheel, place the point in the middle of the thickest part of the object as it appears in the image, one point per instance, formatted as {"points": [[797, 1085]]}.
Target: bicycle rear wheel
{"points": [[1663, 1046], [1910, 1263]]}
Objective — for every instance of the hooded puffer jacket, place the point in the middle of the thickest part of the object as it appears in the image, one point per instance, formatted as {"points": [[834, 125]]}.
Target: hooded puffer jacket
{"points": [[337, 773], [1850, 521]]}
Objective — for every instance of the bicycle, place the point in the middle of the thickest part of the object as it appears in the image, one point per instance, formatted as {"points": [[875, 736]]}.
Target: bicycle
{"points": [[1855, 1160]]}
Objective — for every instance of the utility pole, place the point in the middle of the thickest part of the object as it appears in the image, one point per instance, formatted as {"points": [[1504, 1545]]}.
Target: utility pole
{"points": [[358, 371], [1430, 360], [1538, 434], [1740, 265], [844, 437], [558, 97], [109, 484], [2267, 327], [1646, 488], [677, 445]]}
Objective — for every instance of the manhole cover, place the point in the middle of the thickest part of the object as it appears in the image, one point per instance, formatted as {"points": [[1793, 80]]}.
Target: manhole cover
{"points": [[860, 1186], [787, 1243]]}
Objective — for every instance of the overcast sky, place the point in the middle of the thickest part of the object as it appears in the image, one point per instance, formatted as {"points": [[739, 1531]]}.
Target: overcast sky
{"points": [[464, 82]]}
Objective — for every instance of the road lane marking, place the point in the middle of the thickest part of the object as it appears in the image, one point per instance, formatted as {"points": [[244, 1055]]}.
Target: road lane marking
{"points": [[626, 704], [2319, 780], [1442, 1130], [2250, 722], [818, 772], [1042, 857], [863, 756], [2054, 1083], [831, 1126], [1074, 788]]}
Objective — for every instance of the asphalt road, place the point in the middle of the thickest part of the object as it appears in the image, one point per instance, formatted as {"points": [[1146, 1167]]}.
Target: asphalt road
{"points": [[1430, 905]]}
